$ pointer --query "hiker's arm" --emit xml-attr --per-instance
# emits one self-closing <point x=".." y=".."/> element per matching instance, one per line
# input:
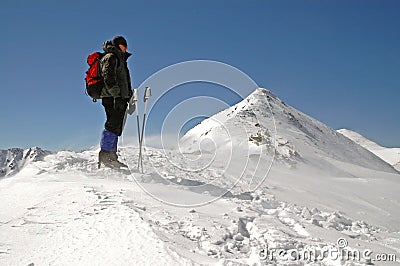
<point x="109" y="67"/>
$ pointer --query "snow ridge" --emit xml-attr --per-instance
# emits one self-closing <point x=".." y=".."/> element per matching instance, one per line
<point x="389" y="155"/>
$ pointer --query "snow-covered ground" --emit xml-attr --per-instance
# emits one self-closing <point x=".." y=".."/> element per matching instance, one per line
<point x="390" y="155"/>
<point x="242" y="189"/>
<point x="64" y="211"/>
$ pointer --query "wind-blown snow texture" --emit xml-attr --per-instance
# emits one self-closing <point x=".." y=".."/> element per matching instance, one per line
<point x="321" y="187"/>
<point x="389" y="155"/>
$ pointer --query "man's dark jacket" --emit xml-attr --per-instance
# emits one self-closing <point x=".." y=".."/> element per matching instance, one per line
<point x="114" y="69"/>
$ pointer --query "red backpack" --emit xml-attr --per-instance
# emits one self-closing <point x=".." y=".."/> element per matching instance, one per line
<point x="94" y="80"/>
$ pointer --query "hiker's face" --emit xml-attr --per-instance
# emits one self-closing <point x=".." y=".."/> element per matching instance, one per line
<point x="123" y="48"/>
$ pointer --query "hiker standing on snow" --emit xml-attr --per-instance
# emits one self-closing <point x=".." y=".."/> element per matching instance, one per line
<point x="115" y="97"/>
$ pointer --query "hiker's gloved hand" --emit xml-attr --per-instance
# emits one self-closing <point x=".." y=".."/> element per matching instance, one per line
<point x="115" y="91"/>
<point x="131" y="107"/>
<point x="120" y="103"/>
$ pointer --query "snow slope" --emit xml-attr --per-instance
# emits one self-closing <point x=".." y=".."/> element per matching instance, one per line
<point x="389" y="155"/>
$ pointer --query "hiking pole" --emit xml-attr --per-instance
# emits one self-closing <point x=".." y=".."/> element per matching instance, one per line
<point x="135" y="102"/>
<point x="147" y="94"/>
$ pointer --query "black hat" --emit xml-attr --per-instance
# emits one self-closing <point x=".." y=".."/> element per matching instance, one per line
<point x="117" y="40"/>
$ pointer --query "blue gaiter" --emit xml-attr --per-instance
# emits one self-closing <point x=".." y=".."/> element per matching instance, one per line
<point x="108" y="141"/>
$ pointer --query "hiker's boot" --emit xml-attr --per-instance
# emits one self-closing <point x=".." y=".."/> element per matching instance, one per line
<point x="109" y="159"/>
<point x="104" y="159"/>
<point x="114" y="160"/>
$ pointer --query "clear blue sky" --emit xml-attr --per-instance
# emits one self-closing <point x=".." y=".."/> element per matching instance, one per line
<point x="337" y="61"/>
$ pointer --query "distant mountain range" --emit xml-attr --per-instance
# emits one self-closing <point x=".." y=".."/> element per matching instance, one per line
<point x="13" y="160"/>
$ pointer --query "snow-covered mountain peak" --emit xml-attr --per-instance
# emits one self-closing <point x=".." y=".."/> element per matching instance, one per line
<point x="262" y="123"/>
<point x="257" y="95"/>
<point x="261" y="96"/>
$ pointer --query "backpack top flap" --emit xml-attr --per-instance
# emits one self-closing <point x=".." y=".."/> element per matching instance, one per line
<point x="93" y="74"/>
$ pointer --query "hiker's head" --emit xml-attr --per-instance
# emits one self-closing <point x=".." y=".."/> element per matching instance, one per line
<point x="120" y="43"/>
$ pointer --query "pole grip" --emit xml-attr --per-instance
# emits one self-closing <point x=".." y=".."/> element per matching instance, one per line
<point x="135" y="95"/>
<point x="147" y="94"/>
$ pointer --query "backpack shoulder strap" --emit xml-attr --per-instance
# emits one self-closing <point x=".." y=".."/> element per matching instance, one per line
<point x="111" y="54"/>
